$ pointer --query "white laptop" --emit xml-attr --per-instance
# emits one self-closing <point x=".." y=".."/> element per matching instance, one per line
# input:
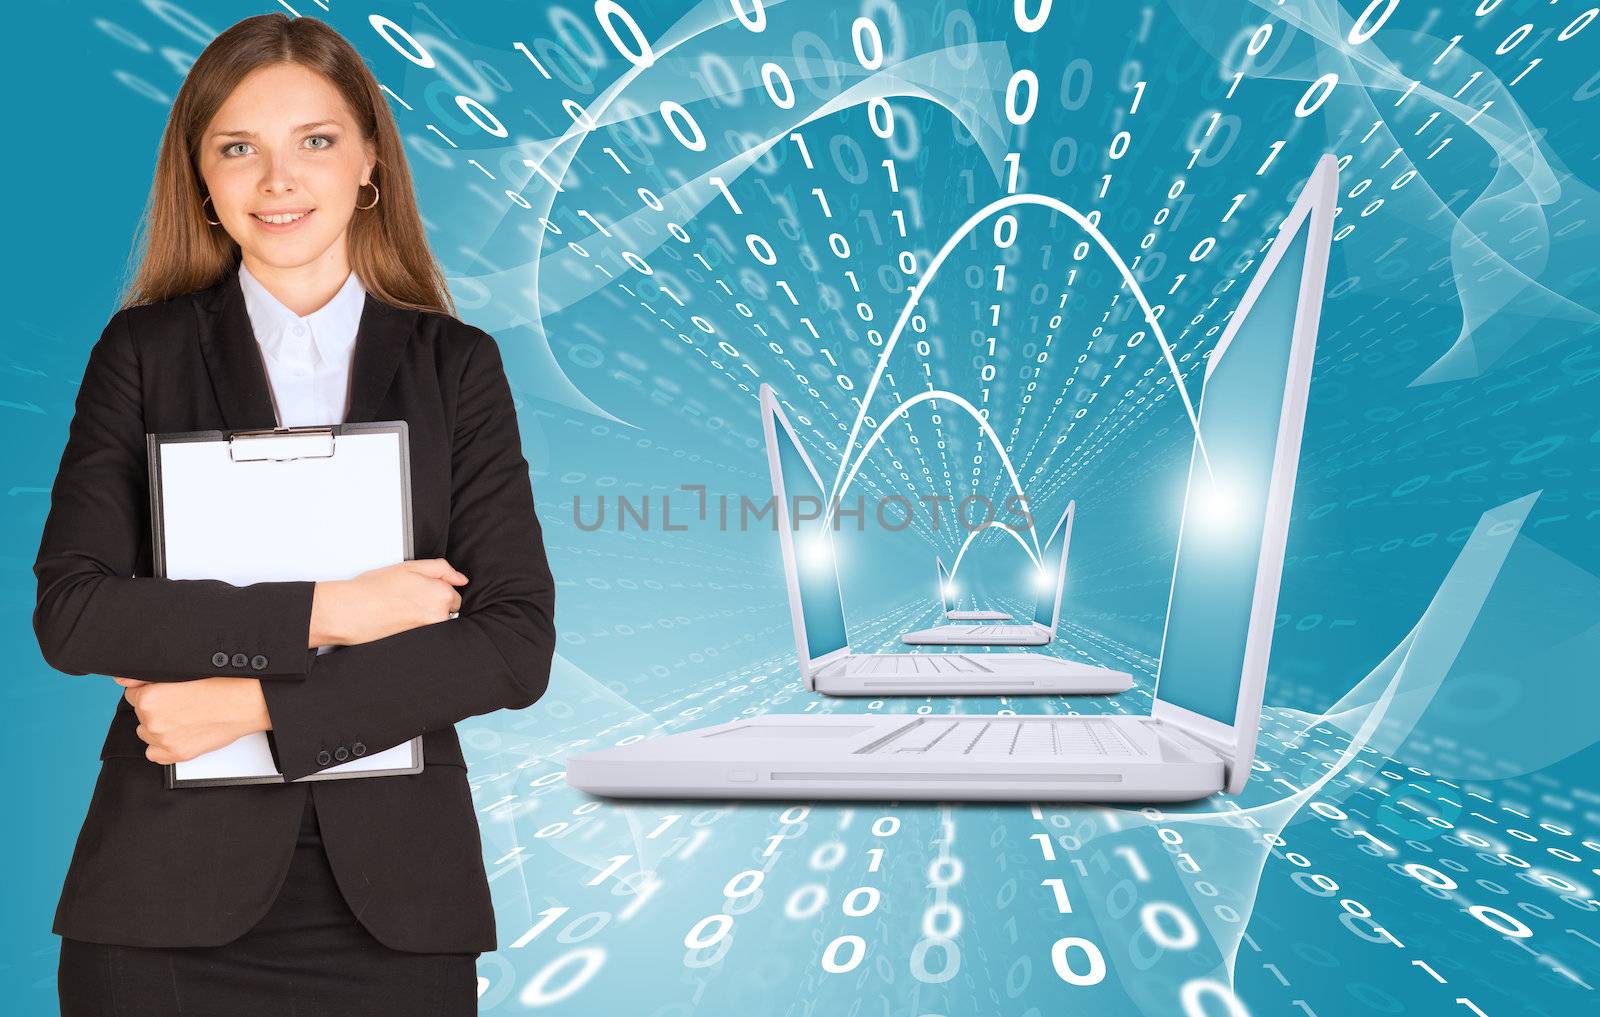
<point x="827" y="664"/>
<point x="1046" y="605"/>
<point x="1201" y="735"/>
<point x="947" y="599"/>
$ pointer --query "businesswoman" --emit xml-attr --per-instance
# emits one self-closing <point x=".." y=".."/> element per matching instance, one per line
<point x="285" y="280"/>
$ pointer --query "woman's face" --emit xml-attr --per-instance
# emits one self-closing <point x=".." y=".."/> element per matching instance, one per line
<point x="284" y="142"/>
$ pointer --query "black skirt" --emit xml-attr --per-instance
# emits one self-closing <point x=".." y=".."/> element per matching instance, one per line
<point x="308" y="955"/>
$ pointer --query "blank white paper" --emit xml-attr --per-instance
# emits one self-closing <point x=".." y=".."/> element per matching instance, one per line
<point x="317" y="518"/>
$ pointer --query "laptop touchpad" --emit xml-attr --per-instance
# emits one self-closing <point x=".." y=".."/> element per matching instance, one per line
<point x="792" y="731"/>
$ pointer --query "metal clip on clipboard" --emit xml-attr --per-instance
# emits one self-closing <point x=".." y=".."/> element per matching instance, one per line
<point x="286" y="443"/>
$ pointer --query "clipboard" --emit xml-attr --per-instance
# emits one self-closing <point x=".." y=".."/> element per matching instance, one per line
<point x="318" y="503"/>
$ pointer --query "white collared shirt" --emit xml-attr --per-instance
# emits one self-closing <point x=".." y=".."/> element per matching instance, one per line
<point x="308" y="358"/>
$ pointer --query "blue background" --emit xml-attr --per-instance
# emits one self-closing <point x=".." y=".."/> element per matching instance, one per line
<point x="1421" y="835"/>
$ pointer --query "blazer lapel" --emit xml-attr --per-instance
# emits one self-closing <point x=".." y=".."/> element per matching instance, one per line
<point x="238" y="373"/>
<point x="233" y="358"/>
<point x="380" y="343"/>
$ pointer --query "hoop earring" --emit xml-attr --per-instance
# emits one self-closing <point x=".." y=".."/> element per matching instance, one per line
<point x="374" y="195"/>
<point x="203" y="210"/>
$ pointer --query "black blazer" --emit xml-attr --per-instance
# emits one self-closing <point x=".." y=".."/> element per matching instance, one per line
<point x="199" y="866"/>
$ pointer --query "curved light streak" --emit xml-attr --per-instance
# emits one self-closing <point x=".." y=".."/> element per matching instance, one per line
<point x="999" y="204"/>
<point x="899" y="411"/>
<point x="995" y="523"/>
<point x="1038" y="560"/>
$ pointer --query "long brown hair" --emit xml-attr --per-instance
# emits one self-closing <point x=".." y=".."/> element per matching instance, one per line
<point x="180" y="252"/>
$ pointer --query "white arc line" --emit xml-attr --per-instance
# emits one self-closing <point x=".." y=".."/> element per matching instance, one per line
<point x="839" y="483"/>
<point x="898" y="411"/>
<point x="997" y="524"/>
<point x="1038" y="560"/>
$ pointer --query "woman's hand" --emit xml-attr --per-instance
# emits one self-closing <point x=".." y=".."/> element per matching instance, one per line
<point x="182" y="720"/>
<point x="382" y="602"/>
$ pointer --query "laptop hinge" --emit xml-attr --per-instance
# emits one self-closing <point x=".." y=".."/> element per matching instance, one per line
<point x="1222" y="750"/>
<point x="825" y="664"/>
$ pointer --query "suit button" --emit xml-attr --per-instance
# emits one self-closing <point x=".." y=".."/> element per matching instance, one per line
<point x="323" y="759"/>
<point x="358" y="749"/>
<point x="240" y="660"/>
<point x="258" y="662"/>
<point x="220" y="659"/>
<point x="341" y="753"/>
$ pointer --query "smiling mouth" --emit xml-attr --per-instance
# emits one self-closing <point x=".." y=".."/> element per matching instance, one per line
<point x="282" y="219"/>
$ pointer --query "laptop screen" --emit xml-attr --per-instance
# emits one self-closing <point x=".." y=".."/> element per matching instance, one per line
<point x="1219" y="548"/>
<point x="821" y="605"/>
<point x="944" y="587"/>
<point x="1046" y="580"/>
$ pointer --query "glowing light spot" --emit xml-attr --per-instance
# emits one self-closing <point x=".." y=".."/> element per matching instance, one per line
<point x="814" y="550"/>
<point x="1216" y="506"/>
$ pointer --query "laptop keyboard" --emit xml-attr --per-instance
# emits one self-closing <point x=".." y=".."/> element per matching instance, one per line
<point x="992" y="630"/>
<point x="912" y="663"/>
<point x="945" y="738"/>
